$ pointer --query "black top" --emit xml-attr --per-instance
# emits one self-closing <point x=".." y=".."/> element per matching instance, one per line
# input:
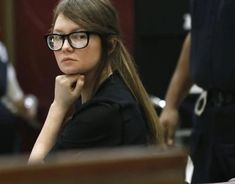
<point x="3" y="78"/>
<point x="111" y="118"/>
<point x="213" y="44"/>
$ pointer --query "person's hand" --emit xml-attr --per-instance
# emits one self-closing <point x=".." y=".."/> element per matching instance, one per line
<point x="67" y="89"/>
<point x="169" y="120"/>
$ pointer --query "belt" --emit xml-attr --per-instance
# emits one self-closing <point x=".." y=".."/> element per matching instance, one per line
<point x="219" y="98"/>
<point x="214" y="98"/>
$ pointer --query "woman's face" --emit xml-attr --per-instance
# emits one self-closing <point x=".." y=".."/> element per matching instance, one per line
<point x="76" y="61"/>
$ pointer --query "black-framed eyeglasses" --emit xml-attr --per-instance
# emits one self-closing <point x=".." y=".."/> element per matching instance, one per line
<point x="77" y="40"/>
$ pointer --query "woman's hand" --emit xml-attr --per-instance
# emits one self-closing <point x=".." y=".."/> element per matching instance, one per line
<point x="169" y="120"/>
<point x="67" y="89"/>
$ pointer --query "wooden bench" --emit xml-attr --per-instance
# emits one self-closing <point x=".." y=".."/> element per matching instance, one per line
<point x="133" y="165"/>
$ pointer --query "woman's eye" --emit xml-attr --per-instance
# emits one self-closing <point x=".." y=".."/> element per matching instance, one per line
<point x="79" y="36"/>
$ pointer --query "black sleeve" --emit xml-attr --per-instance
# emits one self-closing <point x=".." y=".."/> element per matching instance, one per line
<point x="3" y="78"/>
<point x="96" y="125"/>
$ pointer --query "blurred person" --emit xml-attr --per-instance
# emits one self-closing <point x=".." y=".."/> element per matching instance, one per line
<point x="99" y="100"/>
<point x="12" y="106"/>
<point x="207" y="59"/>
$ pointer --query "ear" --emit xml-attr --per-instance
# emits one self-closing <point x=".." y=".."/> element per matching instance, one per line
<point x="112" y="42"/>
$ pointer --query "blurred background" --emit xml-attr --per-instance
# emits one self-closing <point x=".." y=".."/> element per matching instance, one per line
<point x="153" y="31"/>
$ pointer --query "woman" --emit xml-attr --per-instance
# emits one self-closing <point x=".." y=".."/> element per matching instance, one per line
<point x="100" y="100"/>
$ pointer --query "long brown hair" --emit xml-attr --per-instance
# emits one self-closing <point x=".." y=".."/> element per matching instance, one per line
<point x="100" y="16"/>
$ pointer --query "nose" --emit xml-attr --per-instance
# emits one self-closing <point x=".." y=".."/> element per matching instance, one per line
<point x="66" y="45"/>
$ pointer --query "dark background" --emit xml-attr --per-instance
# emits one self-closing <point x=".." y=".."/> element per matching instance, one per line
<point x="159" y="36"/>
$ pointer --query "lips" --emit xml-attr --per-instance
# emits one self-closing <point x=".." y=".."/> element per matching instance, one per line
<point x="67" y="59"/>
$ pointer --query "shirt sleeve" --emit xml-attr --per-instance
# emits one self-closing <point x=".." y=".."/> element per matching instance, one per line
<point x="3" y="53"/>
<point x="14" y="92"/>
<point x="96" y="125"/>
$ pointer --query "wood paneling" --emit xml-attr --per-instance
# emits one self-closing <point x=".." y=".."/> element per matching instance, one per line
<point x="116" y="166"/>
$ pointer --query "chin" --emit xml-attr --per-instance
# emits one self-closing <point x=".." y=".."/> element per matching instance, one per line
<point x="71" y="72"/>
<point x="68" y="72"/>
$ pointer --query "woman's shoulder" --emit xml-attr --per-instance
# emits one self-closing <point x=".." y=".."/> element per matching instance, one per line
<point x="114" y="90"/>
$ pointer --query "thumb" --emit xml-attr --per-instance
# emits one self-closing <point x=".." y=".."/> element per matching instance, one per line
<point x="79" y="84"/>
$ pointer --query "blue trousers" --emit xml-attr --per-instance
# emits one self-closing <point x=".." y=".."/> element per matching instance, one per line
<point x="213" y="144"/>
<point x="8" y="131"/>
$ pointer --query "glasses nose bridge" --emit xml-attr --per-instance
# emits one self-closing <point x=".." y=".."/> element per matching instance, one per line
<point x="66" y="37"/>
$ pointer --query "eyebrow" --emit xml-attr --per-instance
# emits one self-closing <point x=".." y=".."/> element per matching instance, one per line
<point x="73" y="30"/>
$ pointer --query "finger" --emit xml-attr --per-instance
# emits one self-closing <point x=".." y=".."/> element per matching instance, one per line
<point x="60" y="78"/>
<point x="171" y="137"/>
<point x="65" y="80"/>
<point x="80" y="81"/>
<point x="170" y="142"/>
<point x="79" y="84"/>
<point x="73" y="81"/>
